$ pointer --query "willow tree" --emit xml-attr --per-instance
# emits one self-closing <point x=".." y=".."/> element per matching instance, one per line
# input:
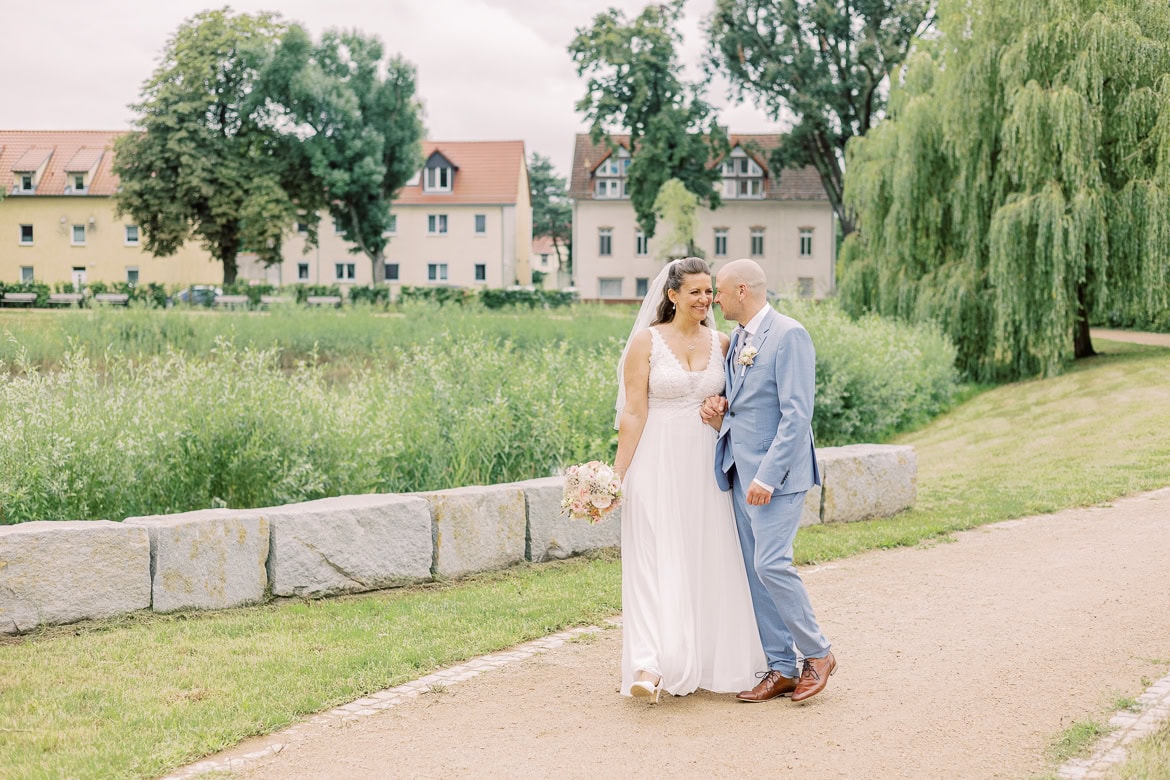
<point x="1022" y="182"/>
<point x="675" y="206"/>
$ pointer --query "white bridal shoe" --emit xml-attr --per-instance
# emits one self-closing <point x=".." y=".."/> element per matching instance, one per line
<point x="644" y="689"/>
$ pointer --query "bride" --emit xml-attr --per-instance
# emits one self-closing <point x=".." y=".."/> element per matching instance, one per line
<point x="687" y="612"/>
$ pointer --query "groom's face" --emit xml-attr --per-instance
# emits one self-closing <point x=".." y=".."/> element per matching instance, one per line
<point x="727" y="297"/>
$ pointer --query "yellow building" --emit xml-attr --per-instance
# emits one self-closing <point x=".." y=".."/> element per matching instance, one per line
<point x="57" y="220"/>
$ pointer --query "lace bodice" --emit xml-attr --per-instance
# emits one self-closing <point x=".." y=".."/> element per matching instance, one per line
<point x="672" y="386"/>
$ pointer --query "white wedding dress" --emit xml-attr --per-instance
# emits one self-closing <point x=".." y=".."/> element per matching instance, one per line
<point x="686" y="609"/>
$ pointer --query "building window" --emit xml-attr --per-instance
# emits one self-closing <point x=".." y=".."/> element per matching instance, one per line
<point x="345" y="272"/>
<point x="26" y="234"/>
<point x="302" y="272"/>
<point x="742" y="176"/>
<point x="721" y="242"/>
<point x="437" y="272"/>
<point x="481" y="223"/>
<point x="303" y="227"/>
<point x="26" y="182"/>
<point x="805" y="284"/>
<point x="806" y="242"/>
<point x="79" y="182"/>
<point x="132" y="275"/>
<point x="641" y="284"/>
<point x="79" y="235"/>
<point x="641" y="244"/>
<point x="131" y="235"/>
<point x="26" y="274"/>
<point x="338" y="228"/>
<point x="436" y="224"/>
<point x="609" y="288"/>
<point x="605" y="242"/>
<point x="392" y="224"/>
<point x="438" y="180"/>
<point x="392" y="272"/>
<point x="757" y="242"/>
<point x="481" y="272"/>
<point x="609" y="188"/>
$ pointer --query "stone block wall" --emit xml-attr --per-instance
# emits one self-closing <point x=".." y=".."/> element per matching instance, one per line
<point x="65" y="571"/>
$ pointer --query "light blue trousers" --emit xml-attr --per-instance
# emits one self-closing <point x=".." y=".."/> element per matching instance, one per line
<point x="783" y="610"/>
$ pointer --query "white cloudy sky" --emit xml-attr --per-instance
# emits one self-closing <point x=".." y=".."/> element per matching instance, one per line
<point x="487" y="69"/>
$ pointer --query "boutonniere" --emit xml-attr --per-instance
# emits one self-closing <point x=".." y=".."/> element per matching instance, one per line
<point x="747" y="356"/>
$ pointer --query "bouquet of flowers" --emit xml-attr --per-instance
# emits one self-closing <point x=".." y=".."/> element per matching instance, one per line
<point x="592" y="491"/>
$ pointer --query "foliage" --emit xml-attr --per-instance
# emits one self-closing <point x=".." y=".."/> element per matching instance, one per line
<point x="234" y="428"/>
<point x="675" y="205"/>
<point x="1021" y="186"/>
<point x="176" y="417"/>
<point x="203" y="166"/>
<point x="874" y="377"/>
<point x="532" y="298"/>
<point x="633" y="84"/>
<point x="301" y="292"/>
<point x="355" y="121"/>
<point x="376" y="295"/>
<point x="552" y="214"/>
<point x="40" y="288"/>
<point x="253" y="291"/>
<point x="439" y="295"/>
<point x="826" y="64"/>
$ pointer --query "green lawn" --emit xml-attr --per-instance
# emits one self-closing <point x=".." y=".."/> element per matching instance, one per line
<point x="137" y="696"/>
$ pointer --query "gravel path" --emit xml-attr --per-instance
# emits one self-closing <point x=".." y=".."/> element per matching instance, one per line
<point x="962" y="659"/>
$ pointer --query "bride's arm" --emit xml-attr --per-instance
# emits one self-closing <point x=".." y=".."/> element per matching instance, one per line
<point x="633" y="419"/>
<point x="714" y="407"/>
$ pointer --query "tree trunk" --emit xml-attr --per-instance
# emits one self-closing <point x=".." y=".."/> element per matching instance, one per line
<point x="378" y="266"/>
<point x="1082" y="341"/>
<point x="230" y="268"/>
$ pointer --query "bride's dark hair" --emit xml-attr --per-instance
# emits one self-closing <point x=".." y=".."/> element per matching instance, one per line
<point x="674" y="279"/>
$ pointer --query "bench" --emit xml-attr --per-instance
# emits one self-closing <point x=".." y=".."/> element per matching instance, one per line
<point x="18" y="298"/>
<point x="114" y="299"/>
<point x="65" y="299"/>
<point x="323" y="300"/>
<point x="275" y="300"/>
<point x="231" y="301"/>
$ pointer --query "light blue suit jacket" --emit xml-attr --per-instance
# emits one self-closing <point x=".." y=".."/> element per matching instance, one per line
<point x="767" y="430"/>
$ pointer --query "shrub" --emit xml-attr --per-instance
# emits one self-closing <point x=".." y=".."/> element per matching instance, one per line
<point x="439" y="295"/>
<point x="532" y="298"/>
<point x="374" y="295"/>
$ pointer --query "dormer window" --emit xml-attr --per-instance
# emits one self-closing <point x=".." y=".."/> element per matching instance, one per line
<point x="610" y="177"/>
<point x="26" y="182"/>
<point x="438" y="180"/>
<point x="743" y="177"/>
<point x="79" y="182"/>
<point x="438" y="173"/>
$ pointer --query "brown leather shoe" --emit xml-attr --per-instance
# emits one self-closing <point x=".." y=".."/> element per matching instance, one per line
<point x="814" y="677"/>
<point x="771" y="685"/>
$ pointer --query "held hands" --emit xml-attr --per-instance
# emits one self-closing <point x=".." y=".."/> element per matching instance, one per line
<point x="712" y="411"/>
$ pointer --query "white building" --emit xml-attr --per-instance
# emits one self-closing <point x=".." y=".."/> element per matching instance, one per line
<point x="783" y="222"/>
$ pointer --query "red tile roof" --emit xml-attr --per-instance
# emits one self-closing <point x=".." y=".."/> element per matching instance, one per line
<point x="488" y="172"/>
<point x="792" y="184"/>
<point x="22" y="151"/>
<point x="543" y="245"/>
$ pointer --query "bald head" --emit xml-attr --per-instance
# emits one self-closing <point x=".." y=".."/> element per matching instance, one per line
<point x="746" y="272"/>
<point x="741" y="289"/>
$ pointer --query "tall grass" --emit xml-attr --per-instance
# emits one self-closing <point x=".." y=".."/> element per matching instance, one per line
<point x="233" y="428"/>
<point x="151" y="412"/>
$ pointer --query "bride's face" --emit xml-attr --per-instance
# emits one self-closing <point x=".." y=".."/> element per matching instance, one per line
<point x="693" y="297"/>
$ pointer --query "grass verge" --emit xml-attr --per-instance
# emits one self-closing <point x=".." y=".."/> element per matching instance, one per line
<point x="136" y="697"/>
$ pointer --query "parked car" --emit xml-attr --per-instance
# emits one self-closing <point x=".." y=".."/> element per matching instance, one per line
<point x="197" y="295"/>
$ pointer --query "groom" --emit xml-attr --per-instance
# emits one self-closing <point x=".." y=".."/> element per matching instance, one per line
<point x="765" y="456"/>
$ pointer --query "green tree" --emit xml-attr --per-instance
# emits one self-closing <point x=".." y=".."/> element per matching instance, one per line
<point x="633" y="87"/>
<point x="552" y="215"/>
<point x="826" y="64"/>
<point x="1022" y="182"/>
<point x="203" y="166"/>
<point x="676" y="206"/>
<point x="357" y="119"/>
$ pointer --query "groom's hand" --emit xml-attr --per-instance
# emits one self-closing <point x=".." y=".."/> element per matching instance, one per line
<point x="757" y="495"/>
